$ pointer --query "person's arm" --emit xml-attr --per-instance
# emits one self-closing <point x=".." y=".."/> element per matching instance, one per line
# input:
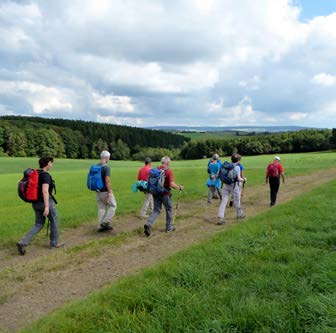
<point x="108" y="187"/>
<point x="282" y="176"/>
<point x="45" y="194"/>
<point x="175" y="186"/>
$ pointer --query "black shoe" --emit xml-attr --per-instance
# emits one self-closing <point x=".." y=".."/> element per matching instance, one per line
<point x="21" y="248"/>
<point x="147" y="229"/>
<point x="107" y="228"/>
<point x="231" y="203"/>
<point x="57" y="246"/>
<point x="171" y="229"/>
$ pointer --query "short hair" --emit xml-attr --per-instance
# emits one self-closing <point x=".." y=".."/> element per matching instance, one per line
<point x="234" y="158"/>
<point x="105" y="154"/>
<point x="215" y="156"/>
<point x="44" y="160"/>
<point x="148" y="160"/>
<point x="165" y="160"/>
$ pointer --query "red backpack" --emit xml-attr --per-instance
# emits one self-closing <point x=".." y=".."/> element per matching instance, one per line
<point x="28" y="185"/>
<point x="273" y="170"/>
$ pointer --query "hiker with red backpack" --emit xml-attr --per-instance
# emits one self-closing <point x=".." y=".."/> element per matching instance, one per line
<point x="230" y="176"/>
<point x="274" y="171"/>
<point x="160" y="183"/>
<point x="44" y="204"/>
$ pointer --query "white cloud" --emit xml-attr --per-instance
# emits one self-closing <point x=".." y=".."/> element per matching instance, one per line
<point x="324" y="79"/>
<point x="113" y="103"/>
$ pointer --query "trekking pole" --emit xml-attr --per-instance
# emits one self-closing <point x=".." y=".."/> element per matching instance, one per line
<point x="177" y="202"/>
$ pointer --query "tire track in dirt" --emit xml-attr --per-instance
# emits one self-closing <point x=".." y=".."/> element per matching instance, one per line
<point x="33" y="289"/>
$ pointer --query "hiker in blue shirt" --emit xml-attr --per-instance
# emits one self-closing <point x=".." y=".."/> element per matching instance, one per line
<point x="216" y="193"/>
<point x="213" y="183"/>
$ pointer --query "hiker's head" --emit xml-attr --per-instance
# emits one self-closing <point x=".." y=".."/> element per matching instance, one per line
<point x="276" y="158"/>
<point x="234" y="158"/>
<point x="105" y="155"/>
<point x="215" y="157"/>
<point x="148" y="161"/>
<point x="44" y="161"/>
<point x="165" y="160"/>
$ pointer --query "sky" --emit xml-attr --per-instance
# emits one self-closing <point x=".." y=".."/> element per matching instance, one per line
<point x="150" y="63"/>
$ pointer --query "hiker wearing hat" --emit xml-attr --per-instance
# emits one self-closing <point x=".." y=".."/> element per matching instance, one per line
<point x="273" y="173"/>
<point x="216" y="193"/>
<point x="143" y="178"/>
<point x="213" y="183"/>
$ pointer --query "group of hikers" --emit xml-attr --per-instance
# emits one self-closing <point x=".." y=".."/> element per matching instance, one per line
<point x="226" y="180"/>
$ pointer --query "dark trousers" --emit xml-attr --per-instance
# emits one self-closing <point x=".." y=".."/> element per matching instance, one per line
<point x="274" y="183"/>
<point x="167" y="202"/>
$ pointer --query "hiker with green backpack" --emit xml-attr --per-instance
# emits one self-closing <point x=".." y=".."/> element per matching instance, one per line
<point x="230" y="176"/>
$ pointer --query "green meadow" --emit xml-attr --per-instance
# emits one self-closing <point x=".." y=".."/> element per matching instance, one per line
<point x="275" y="272"/>
<point x="76" y="204"/>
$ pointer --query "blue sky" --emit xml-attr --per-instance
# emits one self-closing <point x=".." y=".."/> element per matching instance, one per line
<point x="179" y="62"/>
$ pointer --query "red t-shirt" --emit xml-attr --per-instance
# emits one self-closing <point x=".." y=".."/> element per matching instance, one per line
<point x="144" y="173"/>
<point x="169" y="177"/>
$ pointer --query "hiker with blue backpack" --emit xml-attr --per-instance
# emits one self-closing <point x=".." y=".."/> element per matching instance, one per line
<point x="230" y="177"/>
<point x="160" y="183"/>
<point x="142" y="184"/>
<point x="98" y="180"/>
<point x="213" y="183"/>
<point x="36" y="188"/>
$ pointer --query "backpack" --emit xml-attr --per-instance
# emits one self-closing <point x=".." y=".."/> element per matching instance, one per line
<point x="227" y="173"/>
<point x="273" y="170"/>
<point x="94" y="178"/>
<point x="155" y="183"/>
<point x="28" y="185"/>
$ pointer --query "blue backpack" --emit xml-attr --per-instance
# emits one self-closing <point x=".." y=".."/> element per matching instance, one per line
<point x="227" y="173"/>
<point x="94" y="178"/>
<point x="155" y="183"/>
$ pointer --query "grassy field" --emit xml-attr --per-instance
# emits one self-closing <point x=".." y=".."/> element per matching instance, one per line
<point x="77" y="204"/>
<point x="274" y="273"/>
<point x="199" y="136"/>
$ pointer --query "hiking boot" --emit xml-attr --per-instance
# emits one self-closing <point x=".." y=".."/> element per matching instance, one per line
<point x="147" y="229"/>
<point x="144" y="216"/>
<point x="21" y="248"/>
<point x="57" y="246"/>
<point x="172" y="228"/>
<point x="231" y="203"/>
<point x="221" y="221"/>
<point x="240" y="217"/>
<point x="107" y="228"/>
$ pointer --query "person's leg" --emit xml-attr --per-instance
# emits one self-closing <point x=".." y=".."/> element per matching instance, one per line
<point x="102" y="209"/>
<point x="168" y="204"/>
<point x="147" y="201"/>
<point x="225" y="193"/>
<point x="274" y="188"/>
<point x="236" y="201"/>
<point x="110" y="210"/>
<point x="155" y="213"/>
<point x="39" y="223"/>
<point x="53" y="218"/>
<point x="211" y="193"/>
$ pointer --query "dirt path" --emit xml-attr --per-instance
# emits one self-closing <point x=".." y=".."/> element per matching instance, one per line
<point x="43" y="280"/>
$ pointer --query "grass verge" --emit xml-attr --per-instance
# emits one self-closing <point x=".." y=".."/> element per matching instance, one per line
<point x="274" y="273"/>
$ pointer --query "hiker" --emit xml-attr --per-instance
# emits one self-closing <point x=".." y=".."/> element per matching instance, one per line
<point x="274" y="171"/>
<point x="44" y="207"/>
<point x="164" y="198"/>
<point x="241" y="184"/>
<point x="216" y="194"/>
<point x="106" y="202"/>
<point x="142" y="181"/>
<point x="232" y="187"/>
<point x="213" y="183"/>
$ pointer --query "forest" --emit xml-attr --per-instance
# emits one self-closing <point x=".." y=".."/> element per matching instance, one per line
<point x="35" y="136"/>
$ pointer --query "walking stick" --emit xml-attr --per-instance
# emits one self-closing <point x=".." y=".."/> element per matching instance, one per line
<point x="177" y="202"/>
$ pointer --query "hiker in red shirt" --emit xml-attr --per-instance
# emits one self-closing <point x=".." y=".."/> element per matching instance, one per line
<point x="143" y="177"/>
<point x="273" y="173"/>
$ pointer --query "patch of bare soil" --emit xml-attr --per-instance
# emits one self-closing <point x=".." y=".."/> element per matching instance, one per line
<point x="41" y="281"/>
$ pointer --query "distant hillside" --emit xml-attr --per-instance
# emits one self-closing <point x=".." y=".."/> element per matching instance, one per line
<point x="257" y="129"/>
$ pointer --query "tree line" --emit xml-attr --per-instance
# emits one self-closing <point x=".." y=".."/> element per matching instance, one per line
<point x="307" y="140"/>
<point x="35" y="136"/>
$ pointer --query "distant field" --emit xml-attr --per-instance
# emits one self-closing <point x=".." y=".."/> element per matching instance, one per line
<point x="77" y="204"/>
<point x="199" y="136"/>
